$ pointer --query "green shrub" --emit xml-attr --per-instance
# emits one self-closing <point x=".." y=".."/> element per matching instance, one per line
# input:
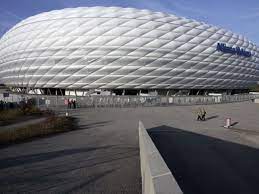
<point x="51" y="125"/>
<point x="11" y="114"/>
<point x="254" y="88"/>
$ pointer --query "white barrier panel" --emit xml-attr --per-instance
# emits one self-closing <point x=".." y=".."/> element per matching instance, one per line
<point x="156" y="176"/>
<point x="127" y="101"/>
<point x="228" y="123"/>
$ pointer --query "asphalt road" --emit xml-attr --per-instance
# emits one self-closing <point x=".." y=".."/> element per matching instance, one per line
<point x="202" y="164"/>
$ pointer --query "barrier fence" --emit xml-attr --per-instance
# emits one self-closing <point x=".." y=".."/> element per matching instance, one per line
<point x="127" y="101"/>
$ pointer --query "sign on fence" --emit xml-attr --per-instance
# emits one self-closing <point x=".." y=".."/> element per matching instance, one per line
<point x="5" y="95"/>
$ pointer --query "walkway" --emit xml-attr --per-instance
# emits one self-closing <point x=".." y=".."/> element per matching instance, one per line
<point x="103" y="156"/>
<point x="202" y="164"/>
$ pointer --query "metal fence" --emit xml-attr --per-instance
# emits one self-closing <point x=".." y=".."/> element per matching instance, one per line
<point x="128" y="101"/>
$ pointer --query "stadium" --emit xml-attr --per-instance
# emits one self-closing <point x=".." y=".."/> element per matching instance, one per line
<point x="124" y="51"/>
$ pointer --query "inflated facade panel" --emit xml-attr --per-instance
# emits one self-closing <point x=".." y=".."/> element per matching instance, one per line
<point x="112" y="47"/>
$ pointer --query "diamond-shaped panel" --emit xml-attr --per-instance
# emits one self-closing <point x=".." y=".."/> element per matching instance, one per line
<point x="113" y="47"/>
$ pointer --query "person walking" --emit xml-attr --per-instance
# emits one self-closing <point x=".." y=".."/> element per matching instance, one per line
<point x="203" y="114"/>
<point x="1" y="105"/>
<point x="199" y="114"/>
<point x="74" y="103"/>
<point x="69" y="104"/>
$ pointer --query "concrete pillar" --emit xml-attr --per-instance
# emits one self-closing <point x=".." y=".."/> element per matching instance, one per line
<point x="76" y="98"/>
<point x="56" y="97"/>
<point x="61" y="92"/>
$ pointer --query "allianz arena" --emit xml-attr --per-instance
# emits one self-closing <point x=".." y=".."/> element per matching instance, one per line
<point x="113" y="48"/>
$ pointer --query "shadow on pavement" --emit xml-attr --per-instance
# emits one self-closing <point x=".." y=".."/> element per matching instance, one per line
<point x="233" y="124"/>
<point x="211" y="117"/>
<point x="27" y="159"/>
<point x="203" y="164"/>
<point x="65" y="171"/>
<point x="93" y="125"/>
<point x="84" y="184"/>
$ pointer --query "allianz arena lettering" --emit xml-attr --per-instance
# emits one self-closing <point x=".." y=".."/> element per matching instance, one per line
<point x="238" y="51"/>
<point x="124" y="48"/>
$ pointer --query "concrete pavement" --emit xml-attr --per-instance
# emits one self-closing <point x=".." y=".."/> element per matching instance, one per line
<point x="103" y="155"/>
<point x="203" y="164"/>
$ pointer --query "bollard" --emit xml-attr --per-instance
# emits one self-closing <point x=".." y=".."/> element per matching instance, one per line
<point x="67" y="114"/>
<point x="228" y="123"/>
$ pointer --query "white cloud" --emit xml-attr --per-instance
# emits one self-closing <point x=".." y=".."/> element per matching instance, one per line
<point x="250" y="16"/>
<point x="13" y="15"/>
<point x="183" y="6"/>
<point x="179" y="7"/>
<point x="7" y="20"/>
<point x="153" y="5"/>
<point x="10" y="14"/>
<point x="253" y="13"/>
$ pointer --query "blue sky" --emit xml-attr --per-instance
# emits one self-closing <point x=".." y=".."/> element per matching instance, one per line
<point x="240" y="16"/>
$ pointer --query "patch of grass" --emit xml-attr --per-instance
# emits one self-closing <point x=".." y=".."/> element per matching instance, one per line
<point x="51" y="125"/>
<point x="16" y="115"/>
<point x="11" y="114"/>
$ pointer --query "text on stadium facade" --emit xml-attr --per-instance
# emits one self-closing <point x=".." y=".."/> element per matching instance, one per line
<point x="233" y="50"/>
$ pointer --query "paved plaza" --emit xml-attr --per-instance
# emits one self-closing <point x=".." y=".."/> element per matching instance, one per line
<point x="203" y="164"/>
<point x="103" y="155"/>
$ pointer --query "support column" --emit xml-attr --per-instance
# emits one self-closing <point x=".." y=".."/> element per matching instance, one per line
<point x="61" y="92"/>
<point x="76" y="98"/>
<point x="56" y="97"/>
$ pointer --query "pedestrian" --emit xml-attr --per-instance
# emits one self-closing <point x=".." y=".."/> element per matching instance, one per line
<point x="74" y="103"/>
<point x="1" y="105"/>
<point x="69" y="103"/>
<point x="199" y="114"/>
<point x="203" y="114"/>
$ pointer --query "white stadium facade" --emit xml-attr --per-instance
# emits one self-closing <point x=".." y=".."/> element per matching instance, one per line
<point x="126" y="51"/>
